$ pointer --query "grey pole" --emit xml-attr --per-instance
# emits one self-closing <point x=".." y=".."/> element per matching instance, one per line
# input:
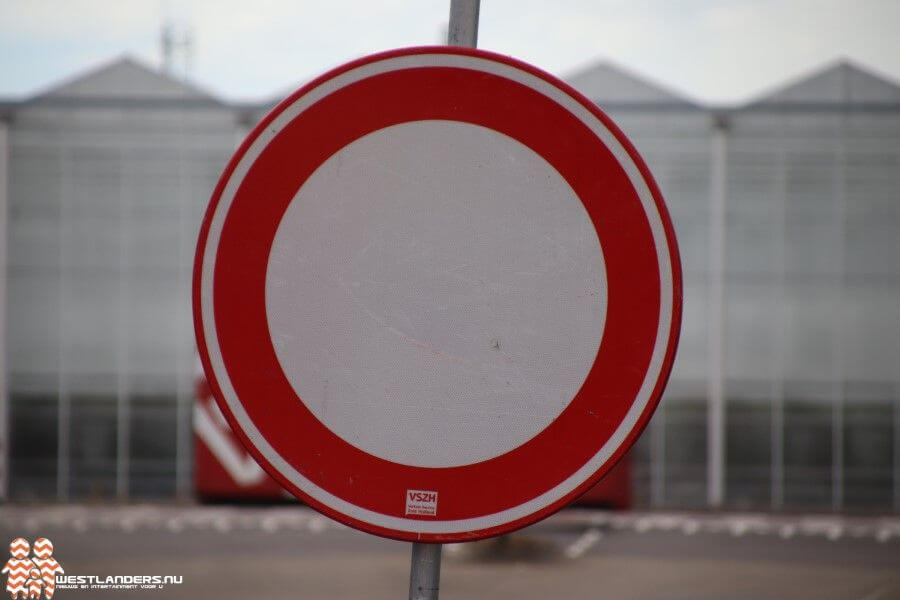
<point x="425" y="568"/>
<point x="463" y="29"/>
<point x="425" y="572"/>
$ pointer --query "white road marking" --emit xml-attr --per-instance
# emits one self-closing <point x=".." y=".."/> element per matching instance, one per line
<point x="270" y="525"/>
<point x="690" y="527"/>
<point x="34" y="520"/>
<point x="222" y="525"/>
<point x="643" y="525"/>
<point x="787" y="531"/>
<point x="174" y="525"/>
<point x="317" y="524"/>
<point x="584" y="543"/>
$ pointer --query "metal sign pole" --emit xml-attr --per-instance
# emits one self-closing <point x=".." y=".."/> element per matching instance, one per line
<point x="425" y="573"/>
<point x="425" y="568"/>
<point x="463" y="28"/>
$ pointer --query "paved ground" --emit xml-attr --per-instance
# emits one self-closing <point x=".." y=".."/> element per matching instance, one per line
<point x="292" y="552"/>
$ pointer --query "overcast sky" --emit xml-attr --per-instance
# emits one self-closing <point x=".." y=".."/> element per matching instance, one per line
<point x="715" y="51"/>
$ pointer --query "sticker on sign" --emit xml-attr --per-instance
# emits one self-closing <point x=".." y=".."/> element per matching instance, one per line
<point x="421" y="502"/>
<point x="440" y="266"/>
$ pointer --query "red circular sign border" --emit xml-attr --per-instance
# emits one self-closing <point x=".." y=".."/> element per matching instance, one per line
<point x="245" y="246"/>
<point x="667" y="360"/>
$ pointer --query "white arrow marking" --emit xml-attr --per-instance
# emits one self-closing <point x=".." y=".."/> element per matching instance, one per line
<point x="237" y="463"/>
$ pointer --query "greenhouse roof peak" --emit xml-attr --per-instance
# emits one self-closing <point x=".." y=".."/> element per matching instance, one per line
<point x="125" y="78"/>
<point x="842" y="82"/>
<point x="607" y="83"/>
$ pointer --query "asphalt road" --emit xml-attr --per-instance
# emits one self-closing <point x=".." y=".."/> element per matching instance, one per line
<point x="292" y="552"/>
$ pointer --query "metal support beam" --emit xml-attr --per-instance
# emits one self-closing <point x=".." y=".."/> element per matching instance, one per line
<point x="4" y="381"/>
<point x="838" y="388"/>
<point x="184" y="357"/>
<point x="64" y="405"/>
<point x="658" y="457"/>
<point x="123" y="394"/>
<point x="896" y="389"/>
<point x="715" y="455"/>
<point x="780" y="313"/>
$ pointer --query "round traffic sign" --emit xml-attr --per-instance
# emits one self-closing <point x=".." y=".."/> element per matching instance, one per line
<point x="437" y="294"/>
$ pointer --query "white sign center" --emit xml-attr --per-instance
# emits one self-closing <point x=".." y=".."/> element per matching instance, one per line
<point x="436" y="293"/>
